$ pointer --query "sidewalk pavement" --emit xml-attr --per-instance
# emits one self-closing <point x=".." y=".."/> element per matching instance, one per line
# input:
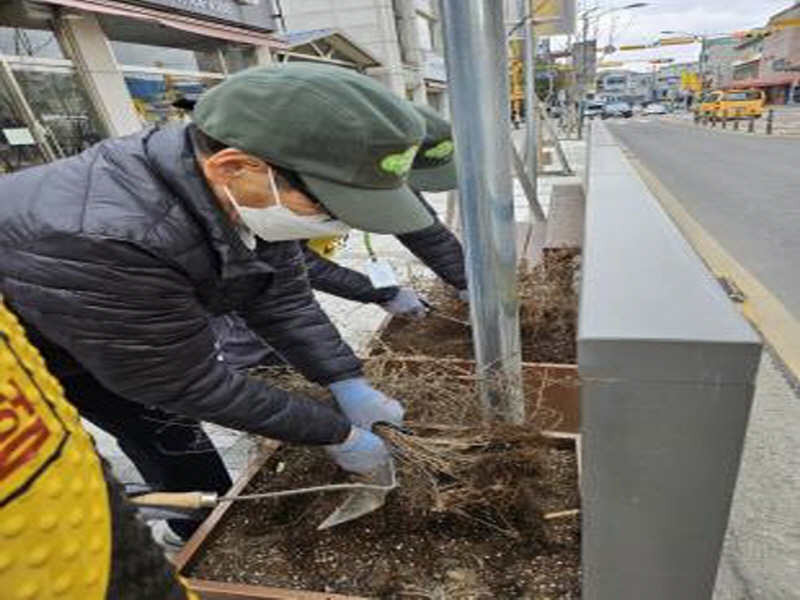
<point x="761" y="556"/>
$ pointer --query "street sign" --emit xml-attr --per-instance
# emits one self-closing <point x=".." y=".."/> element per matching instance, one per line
<point x="559" y="17"/>
<point x="691" y="82"/>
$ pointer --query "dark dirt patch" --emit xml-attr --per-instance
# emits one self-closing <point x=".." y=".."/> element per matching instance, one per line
<point x="548" y="317"/>
<point x="394" y="552"/>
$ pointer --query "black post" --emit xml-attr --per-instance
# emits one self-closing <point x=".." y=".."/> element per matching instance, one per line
<point x="751" y="126"/>
<point x="736" y="120"/>
<point x="725" y="119"/>
<point x="770" y="120"/>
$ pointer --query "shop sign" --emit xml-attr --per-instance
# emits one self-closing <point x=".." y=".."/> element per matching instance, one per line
<point x="434" y="67"/>
<point x="254" y="14"/>
<point x="19" y="136"/>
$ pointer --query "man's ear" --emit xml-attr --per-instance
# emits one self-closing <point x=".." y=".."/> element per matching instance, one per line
<point x="228" y="164"/>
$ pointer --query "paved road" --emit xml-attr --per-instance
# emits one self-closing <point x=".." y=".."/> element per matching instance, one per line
<point x="745" y="191"/>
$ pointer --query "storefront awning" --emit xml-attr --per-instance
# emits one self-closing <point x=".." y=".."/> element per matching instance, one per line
<point x="766" y="82"/>
<point x="325" y="45"/>
<point x="176" y="21"/>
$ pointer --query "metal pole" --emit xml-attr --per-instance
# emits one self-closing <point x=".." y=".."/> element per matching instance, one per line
<point x="582" y="76"/>
<point x="479" y="99"/>
<point x="532" y="137"/>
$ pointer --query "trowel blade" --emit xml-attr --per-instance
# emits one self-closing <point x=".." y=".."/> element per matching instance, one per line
<point x="362" y="502"/>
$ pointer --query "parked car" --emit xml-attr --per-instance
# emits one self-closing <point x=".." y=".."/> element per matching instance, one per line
<point x="655" y="109"/>
<point x="593" y="109"/>
<point x="617" y="109"/>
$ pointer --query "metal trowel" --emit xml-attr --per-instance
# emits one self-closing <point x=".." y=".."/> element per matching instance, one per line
<point x="362" y="498"/>
<point x="366" y="499"/>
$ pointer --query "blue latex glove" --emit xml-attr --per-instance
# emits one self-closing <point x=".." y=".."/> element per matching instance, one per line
<point x="361" y="452"/>
<point x="463" y="295"/>
<point x="406" y="303"/>
<point x="364" y="405"/>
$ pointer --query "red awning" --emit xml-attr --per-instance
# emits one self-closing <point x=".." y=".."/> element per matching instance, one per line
<point x="766" y="82"/>
<point x="177" y="21"/>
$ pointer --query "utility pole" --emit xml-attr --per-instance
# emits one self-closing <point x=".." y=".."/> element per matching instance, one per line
<point x="531" y="99"/>
<point x="477" y="67"/>
<point x="582" y="74"/>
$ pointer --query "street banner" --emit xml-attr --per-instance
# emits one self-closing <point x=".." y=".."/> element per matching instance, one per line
<point x="558" y="17"/>
<point x="584" y="58"/>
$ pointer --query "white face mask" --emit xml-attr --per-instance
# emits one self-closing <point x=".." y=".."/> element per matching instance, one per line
<point x="278" y="224"/>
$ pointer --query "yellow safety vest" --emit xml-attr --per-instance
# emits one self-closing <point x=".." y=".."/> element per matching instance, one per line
<point x="55" y="519"/>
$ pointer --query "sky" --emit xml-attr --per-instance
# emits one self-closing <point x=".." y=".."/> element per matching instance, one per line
<point x="643" y="25"/>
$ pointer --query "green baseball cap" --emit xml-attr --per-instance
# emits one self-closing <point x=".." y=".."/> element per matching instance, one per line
<point x="350" y="140"/>
<point x="434" y="169"/>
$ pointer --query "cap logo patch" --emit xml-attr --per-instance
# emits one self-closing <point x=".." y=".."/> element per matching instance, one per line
<point x="441" y="150"/>
<point x="400" y="163"/>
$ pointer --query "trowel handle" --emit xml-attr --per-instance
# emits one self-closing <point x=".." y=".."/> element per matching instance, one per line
<point x="191" y="500"/>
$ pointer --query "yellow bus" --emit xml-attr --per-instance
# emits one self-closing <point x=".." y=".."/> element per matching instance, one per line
<point x="731" y="104"/>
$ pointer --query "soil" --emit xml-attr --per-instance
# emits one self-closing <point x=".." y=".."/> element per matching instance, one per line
<point x="468" y="520"/>
<point x="548" y="317"/>
<point x="394" y="552"/>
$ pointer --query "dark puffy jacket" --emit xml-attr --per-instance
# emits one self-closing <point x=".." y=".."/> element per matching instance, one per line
<point x="332" y="278"/>
<point x="118" y="257"/>
<point x="435" y="246"/>
<point x="438" y="249"/>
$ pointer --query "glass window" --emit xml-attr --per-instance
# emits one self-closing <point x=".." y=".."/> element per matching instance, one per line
<point x="15" y="41"/>
<point x="165" y="57"/>
<point x="61" y="106"/>
<point x="742" y="96"/>
<point x="18" y="148"/>
<point x="154" y="94"/>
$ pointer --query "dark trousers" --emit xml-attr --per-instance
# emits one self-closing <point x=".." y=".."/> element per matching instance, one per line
<point x="172" y="453"/>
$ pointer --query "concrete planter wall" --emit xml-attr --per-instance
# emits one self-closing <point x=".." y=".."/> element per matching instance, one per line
<point x="668" y="369"/>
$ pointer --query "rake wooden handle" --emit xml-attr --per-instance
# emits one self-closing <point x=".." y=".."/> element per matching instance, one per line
<point x="191" y="500"/>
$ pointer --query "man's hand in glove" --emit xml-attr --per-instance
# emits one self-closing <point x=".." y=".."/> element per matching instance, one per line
<point x="364" y="405"/>
<point x="361" y="452"/>
<point x="406" y="303"/>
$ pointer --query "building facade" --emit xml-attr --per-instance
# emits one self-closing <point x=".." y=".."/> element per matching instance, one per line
<point x="624" y="85"/>
<point x="671" y="80"/>
<point x="748" y="63"/>
<point x="717" y="57"/>
<point x="771" y="61"/>
<point x="75" y="71"/>
<point x="779" y="70"/>
<point x="403" y="35"/>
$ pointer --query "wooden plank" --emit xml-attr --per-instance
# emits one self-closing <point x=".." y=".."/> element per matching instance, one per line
<point x="199" y="537"/>
<point x="218" y="590"/>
